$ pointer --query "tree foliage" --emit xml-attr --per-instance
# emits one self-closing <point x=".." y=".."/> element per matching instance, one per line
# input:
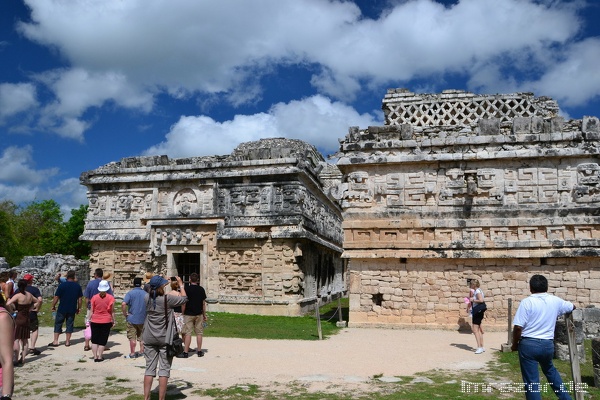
<point x="39" y="228"/>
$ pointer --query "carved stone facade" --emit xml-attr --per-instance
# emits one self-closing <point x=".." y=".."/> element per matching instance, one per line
<point x="256" y="225"/>
<point x="458" y="186"/>
<point x="454" y="186"/>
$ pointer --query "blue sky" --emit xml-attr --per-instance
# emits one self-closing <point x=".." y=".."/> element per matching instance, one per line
<point x="84" y="83"/>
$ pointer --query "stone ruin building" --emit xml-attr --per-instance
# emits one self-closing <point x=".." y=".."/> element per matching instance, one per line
<point x="455" y="186"/>
<point x="458" y="186"/>
<point x="256" y="225"/>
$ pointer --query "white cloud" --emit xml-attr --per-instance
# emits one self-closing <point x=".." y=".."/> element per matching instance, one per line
<point x="17" y="167"/>
<point x="69" y="193"/>
<point x="575" y="79"/>
<point x="201" y="136"/>
<point x="18" y="194"/>
<point x="19" y="180"/>
<point x="129" y="51"/>
<point x="316" y="120"/>
<point x="16" y="98"/>
<point x="76" y="90"/>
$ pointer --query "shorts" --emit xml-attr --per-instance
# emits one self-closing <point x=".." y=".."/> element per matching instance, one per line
<point x="157" y="356"/>
<point x="60" y="318"/>
<point x="134" y="331"/>
<point x="478" y="317"/>
<point x="34" y="323"/>
<point x="193" y="323"/>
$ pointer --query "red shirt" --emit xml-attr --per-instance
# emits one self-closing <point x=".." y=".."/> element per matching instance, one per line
<point x="102" y="309"/>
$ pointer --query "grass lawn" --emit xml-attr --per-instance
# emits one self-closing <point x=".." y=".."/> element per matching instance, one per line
<point x="440" y="384"/>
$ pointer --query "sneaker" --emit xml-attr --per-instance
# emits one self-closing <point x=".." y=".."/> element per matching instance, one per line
<point x="479" y="350"/>
<point x="134" y="355"/>
<point x="200" y="354"/>
<point x="182" y="355"/>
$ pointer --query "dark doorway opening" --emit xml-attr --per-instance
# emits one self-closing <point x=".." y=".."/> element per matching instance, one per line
<point x="187" y="264"/>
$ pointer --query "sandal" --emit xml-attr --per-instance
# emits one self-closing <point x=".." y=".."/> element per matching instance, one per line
<point x="87" y="348"/>
<point x="53" y="345"/>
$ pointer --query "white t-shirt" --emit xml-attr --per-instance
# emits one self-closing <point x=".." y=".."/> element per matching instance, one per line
<point x="537" y="315"/>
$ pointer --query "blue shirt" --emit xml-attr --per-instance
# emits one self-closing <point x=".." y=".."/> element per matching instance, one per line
<point x="68" y="294"/>
<point x="136" y="300"/>
<point x="92" y="289"/>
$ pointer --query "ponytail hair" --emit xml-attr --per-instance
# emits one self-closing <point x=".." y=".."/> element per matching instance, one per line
<point x="22" y="284"/>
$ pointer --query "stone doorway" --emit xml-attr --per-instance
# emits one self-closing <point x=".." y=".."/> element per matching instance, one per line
<point x="185" y="264"/>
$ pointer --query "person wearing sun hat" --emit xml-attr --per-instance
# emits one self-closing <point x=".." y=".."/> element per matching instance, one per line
<point x="147" y="278"/>
<point x="102" y="319"/>
<point x="33" y="314"/>
<point x="154" y="334"/>
<point x="90" y="291"/>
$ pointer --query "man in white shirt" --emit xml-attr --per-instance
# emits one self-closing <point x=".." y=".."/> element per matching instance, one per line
<point x="533" y="336"/>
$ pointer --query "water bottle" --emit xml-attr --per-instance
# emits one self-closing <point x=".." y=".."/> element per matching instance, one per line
<point x="53" y="314"/>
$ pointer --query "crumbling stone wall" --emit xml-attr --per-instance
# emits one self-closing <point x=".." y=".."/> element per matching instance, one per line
<point x="45" y="268"/>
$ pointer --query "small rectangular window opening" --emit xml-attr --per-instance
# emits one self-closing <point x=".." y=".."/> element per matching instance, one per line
<point x="378" y="299"/>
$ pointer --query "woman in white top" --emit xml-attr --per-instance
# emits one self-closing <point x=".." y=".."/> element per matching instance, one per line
<point x="478" y="312"/>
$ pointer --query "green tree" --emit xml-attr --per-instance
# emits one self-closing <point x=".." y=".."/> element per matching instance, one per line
<point x="40" y="228"/>
<point x="9" y="248"/>
<point x="72" y="229"/>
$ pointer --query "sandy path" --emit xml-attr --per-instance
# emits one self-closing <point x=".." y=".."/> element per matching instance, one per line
<point x="351" y="357"/>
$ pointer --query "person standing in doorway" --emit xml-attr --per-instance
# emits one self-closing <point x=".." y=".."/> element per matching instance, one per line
<point x="533" y="337"/>
<point x="90" y="291"/>
<point x="134" y="311"/>
<point x="194" y="316"/>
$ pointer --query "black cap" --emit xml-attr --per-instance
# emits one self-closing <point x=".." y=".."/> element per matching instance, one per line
<point x="137" y="282"/>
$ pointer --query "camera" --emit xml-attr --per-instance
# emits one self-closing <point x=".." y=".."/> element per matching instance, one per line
<point x="173" y="278"/>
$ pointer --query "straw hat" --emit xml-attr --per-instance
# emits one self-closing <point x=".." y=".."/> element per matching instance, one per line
<point x="148" y="276"/>
<point x="106" y="275"/>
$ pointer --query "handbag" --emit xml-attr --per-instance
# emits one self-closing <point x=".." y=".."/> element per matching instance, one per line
<point x="174" y="343"/>
<point x="87" y="333"/>
<point x="481" y="307"/>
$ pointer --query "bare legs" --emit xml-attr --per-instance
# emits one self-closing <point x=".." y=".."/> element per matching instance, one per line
<point x="199" y="343"/>
<point x="478" y="332"/>
<point x="97" y="351"/>
<point x="67" y="338"/>
<point x="162" y="387"/>
<point x="33" y="339"/>
<point x="7" y="353"/>
<point x="21" y="346"/>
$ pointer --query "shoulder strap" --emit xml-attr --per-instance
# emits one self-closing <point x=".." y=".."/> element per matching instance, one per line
<point x="166" y="317"/>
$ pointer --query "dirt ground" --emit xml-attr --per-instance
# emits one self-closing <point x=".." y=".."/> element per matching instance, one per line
<point x="347" y="361"/>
